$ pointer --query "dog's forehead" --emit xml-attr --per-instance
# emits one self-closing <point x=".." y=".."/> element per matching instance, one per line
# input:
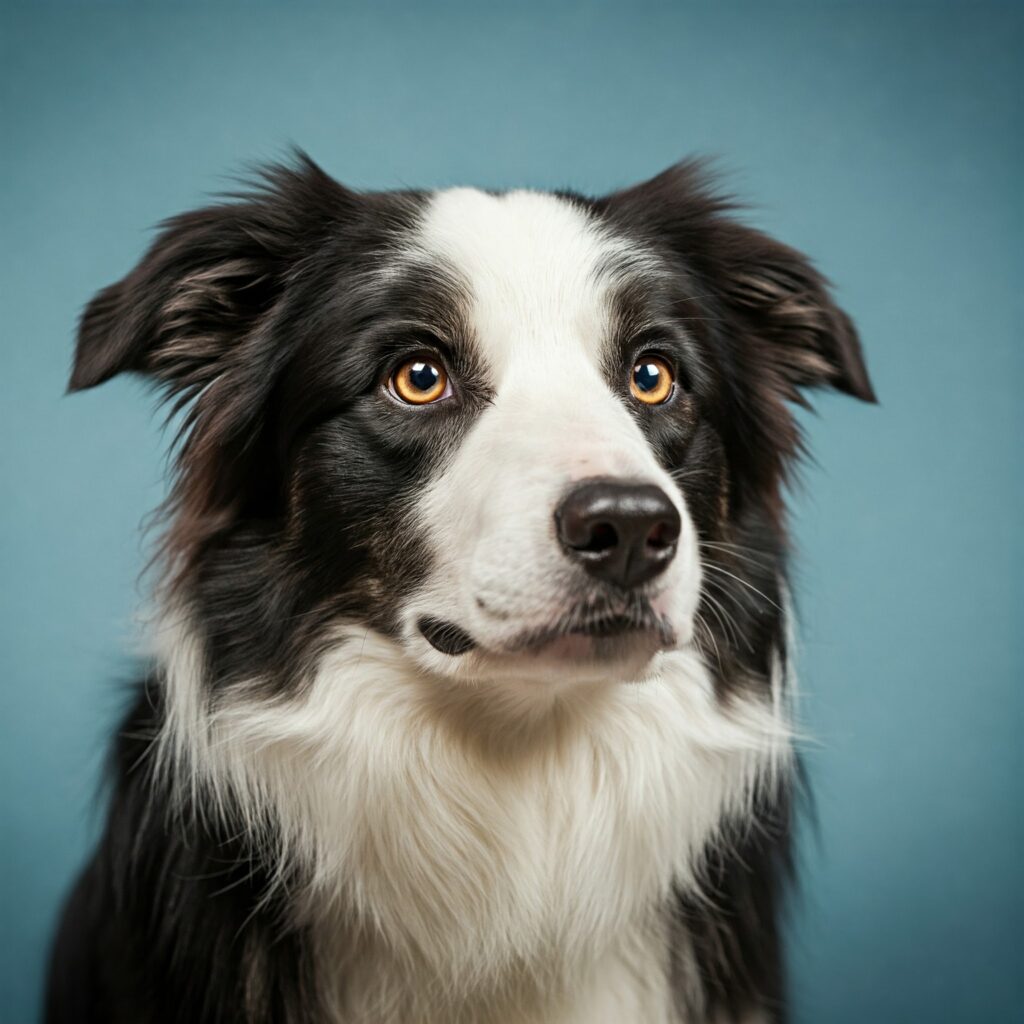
<point x="539" y="270"/>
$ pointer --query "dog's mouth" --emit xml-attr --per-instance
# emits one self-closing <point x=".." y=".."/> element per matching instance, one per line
<point x="603" y="629"/>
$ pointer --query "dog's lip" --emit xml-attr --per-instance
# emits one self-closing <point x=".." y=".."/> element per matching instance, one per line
<point x="606" y="633"/>
<point x="606" y="626"/>
<point x="605" y="630"/>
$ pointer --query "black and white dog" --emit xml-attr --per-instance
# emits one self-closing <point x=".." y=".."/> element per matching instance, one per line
<point x="468" y="704"/>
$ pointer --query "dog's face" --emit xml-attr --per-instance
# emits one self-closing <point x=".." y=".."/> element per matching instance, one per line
<point x="529" y="436"/>
<point x="559" y="544"/>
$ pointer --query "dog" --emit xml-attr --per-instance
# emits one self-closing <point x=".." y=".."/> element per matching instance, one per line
<point x="468" y="698"/>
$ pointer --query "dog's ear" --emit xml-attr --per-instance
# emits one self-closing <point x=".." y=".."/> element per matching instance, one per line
<point x="196" y="317"/>
<point x="789" y="309"/>
<point x="782" y="304"/>
<point x="194" y="301"/>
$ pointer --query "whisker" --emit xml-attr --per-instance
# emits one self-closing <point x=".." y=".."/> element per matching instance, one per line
<point x="699" y="620"/>
<point x="738" y="551"/>
<point x="739" y="579"/>
<point x="725" y="618"/>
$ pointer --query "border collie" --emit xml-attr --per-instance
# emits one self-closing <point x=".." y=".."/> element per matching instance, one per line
<point x="468" y="695"/>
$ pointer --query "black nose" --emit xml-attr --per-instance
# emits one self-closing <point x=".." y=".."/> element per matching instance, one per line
<point x="620" y="532"/>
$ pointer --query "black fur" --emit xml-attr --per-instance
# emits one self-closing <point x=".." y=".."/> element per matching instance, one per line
<point x="174" y="920"/>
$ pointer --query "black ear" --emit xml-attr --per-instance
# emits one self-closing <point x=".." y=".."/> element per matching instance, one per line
<point x="205" y="283"/>
<point x="197" y="317"/>
<point x="782" y="303"/>
<point x="789" y="307"/>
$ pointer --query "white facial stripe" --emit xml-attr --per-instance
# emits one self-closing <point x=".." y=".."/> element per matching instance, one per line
<point x="539" y="274"/>
<point x="537" y="267"/>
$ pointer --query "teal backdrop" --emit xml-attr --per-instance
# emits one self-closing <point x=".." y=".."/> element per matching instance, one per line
<point x="884" y="139"/>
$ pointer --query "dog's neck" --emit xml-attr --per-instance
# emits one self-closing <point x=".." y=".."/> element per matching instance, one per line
<point x="471" y="871"/>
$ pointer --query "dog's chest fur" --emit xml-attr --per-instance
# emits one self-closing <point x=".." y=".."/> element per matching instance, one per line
<point x="452" y="868"/>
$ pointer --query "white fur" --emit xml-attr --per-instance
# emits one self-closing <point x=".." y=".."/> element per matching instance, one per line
<point x="502" y="832"/>
<point x="471" y="861"/>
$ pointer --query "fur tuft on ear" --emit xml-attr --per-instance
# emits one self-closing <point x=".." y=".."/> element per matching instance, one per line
<point x="205" y="282"/>
<point x="100" y="353"/>
<point x="784" y="304"/>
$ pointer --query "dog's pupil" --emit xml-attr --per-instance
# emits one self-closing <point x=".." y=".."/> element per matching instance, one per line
<point x="423" y="376"/>
<point x="646" y="376"/>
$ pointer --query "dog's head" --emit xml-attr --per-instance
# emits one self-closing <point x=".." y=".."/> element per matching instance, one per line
<point x="532" y="437"/>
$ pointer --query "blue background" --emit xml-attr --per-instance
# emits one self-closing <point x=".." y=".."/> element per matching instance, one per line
<point x="884" y="140"/>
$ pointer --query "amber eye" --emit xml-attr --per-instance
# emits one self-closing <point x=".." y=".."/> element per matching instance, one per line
<point x="419" y="381"/>
<point x="652" y="380"/>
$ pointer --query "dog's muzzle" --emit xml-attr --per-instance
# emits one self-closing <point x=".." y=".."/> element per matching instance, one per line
<point x="621" y="533"/>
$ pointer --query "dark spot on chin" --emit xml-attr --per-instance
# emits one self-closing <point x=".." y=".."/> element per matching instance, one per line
<point x="445" y="637"/>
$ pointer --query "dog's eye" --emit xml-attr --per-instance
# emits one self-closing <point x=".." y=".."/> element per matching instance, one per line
<point x="419" y="381"/>
<point x="652" y="380"/>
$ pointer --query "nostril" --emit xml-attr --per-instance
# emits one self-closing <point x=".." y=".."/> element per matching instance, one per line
<point x="603" y="537"/>
<point x="663" y="535"/>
